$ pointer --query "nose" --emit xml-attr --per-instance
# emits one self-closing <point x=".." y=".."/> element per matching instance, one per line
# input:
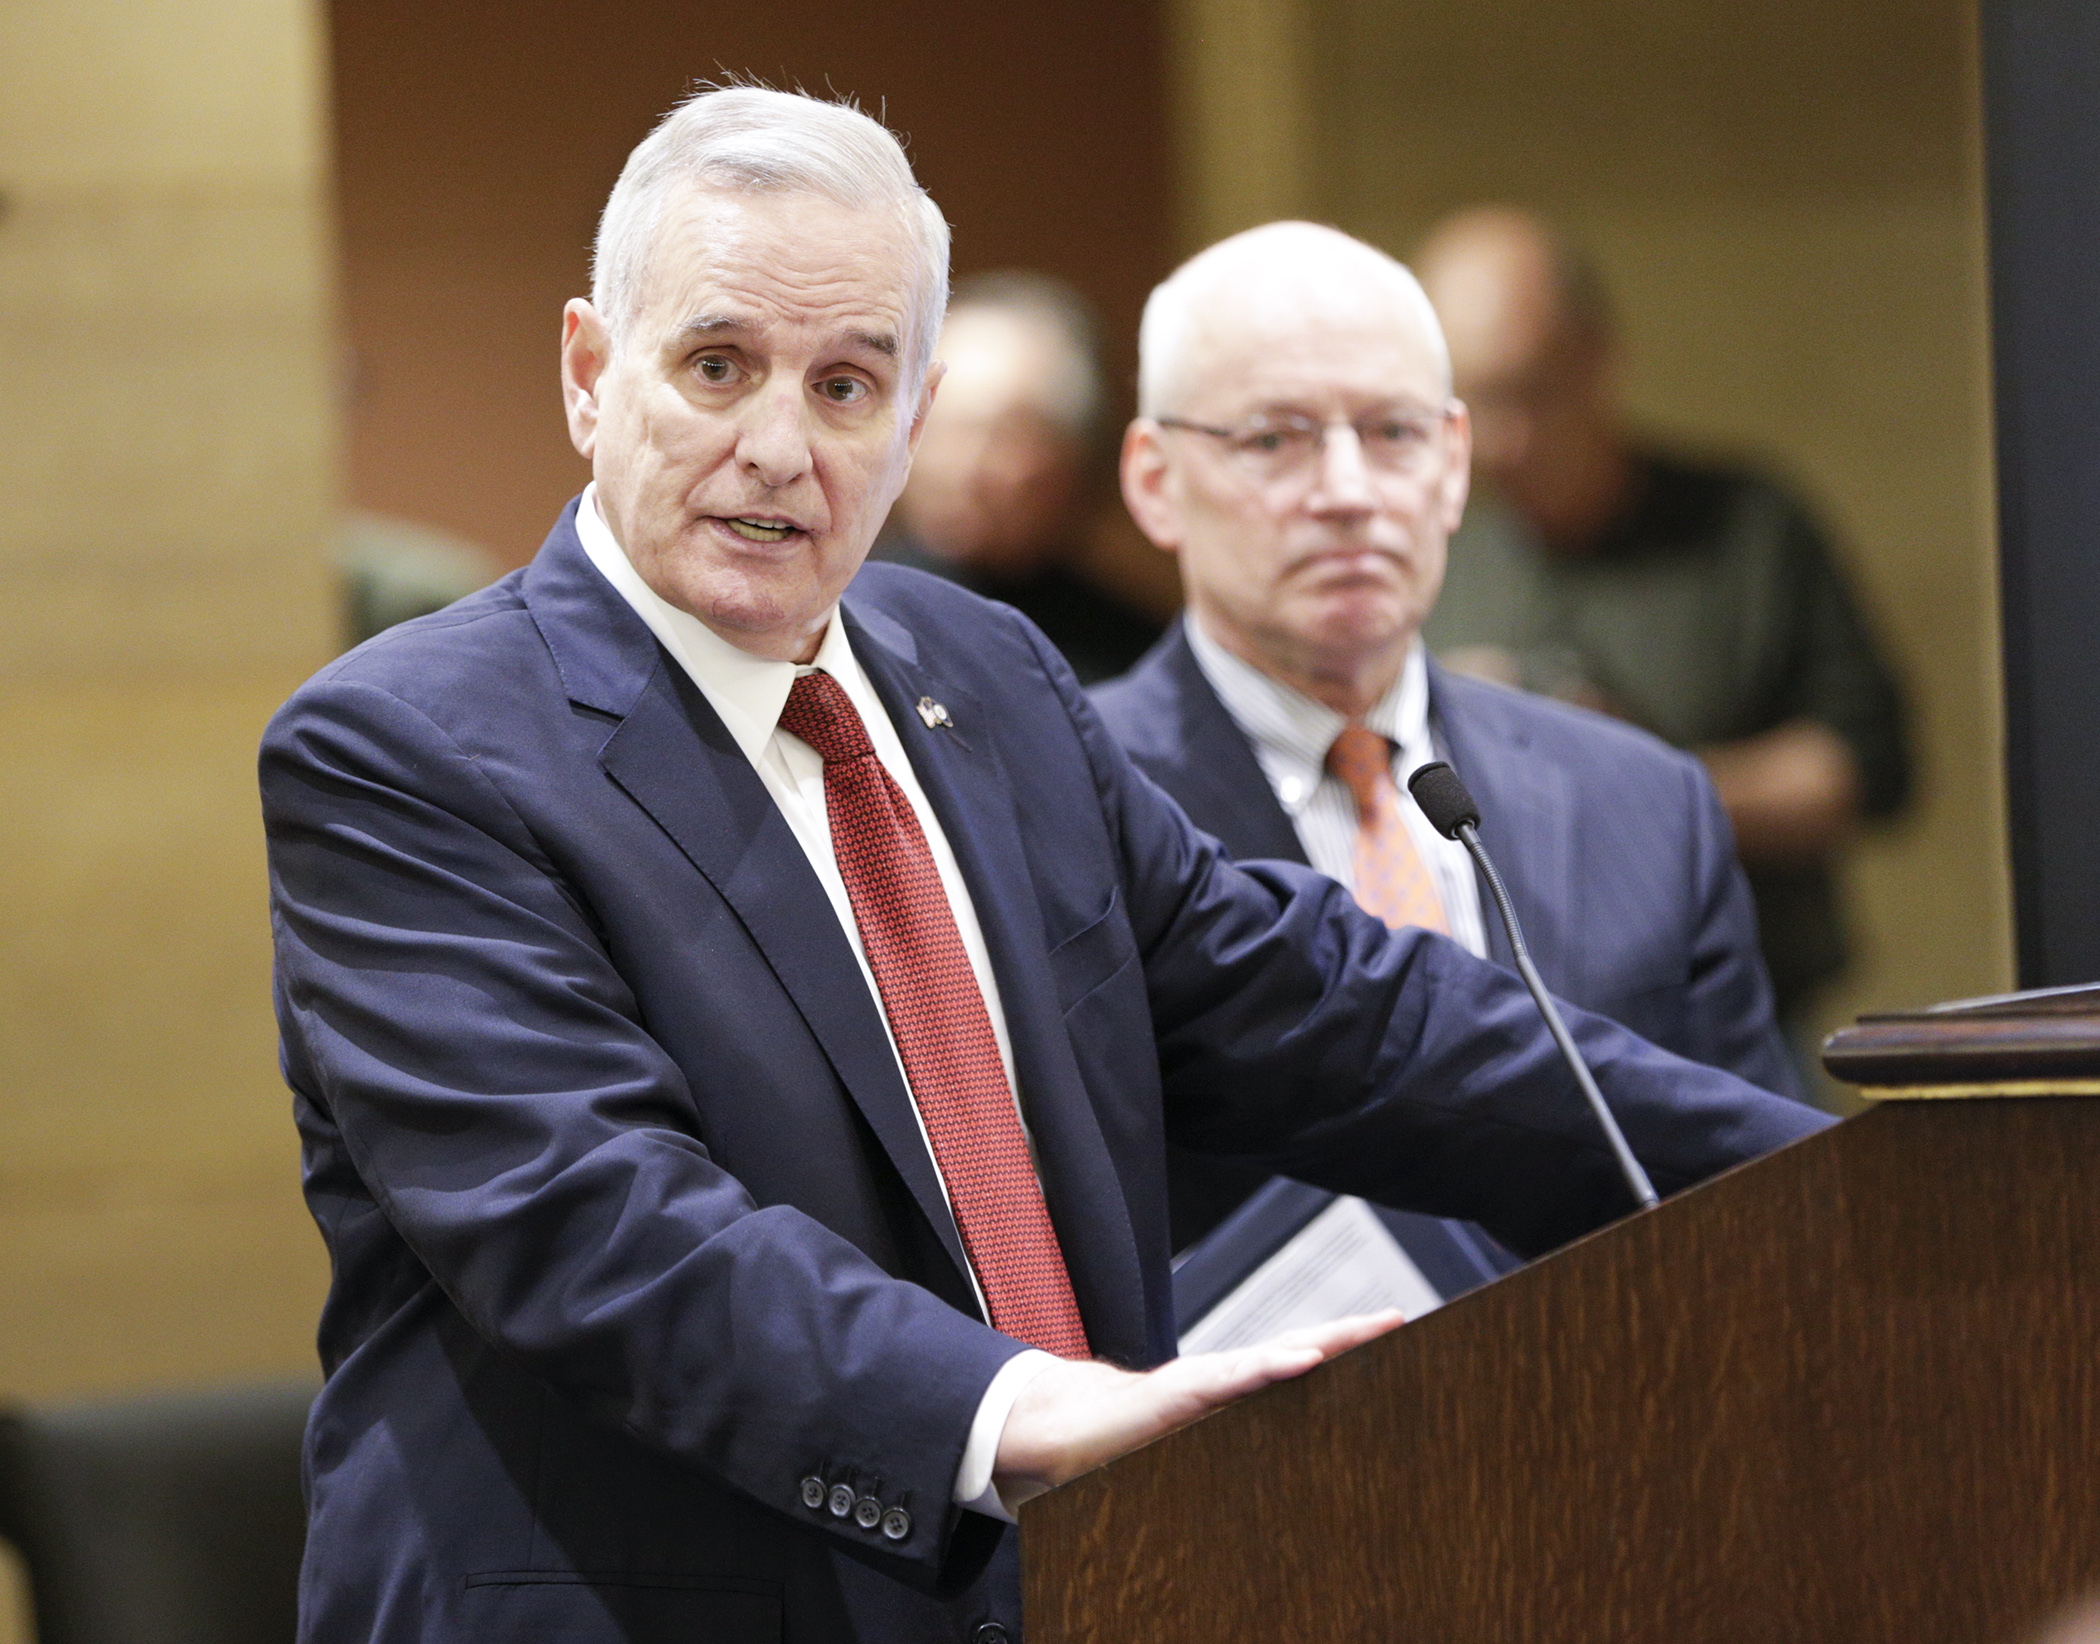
<point x="1342" y="482"/>
<point x="773" y="438"/>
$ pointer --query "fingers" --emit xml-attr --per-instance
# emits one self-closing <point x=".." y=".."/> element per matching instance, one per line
<point x="1240" y="1372"/>
<point x="1218" y="1378"/>
<point x="1213" y="1379"/>
<point x="1073" y="1417"/>
<point x="1339" y="1335"/>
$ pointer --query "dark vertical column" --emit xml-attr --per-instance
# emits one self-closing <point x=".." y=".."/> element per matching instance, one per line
<point x="2042" y="125"/>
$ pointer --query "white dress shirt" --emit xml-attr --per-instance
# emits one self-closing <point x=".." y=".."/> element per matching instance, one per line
<point x="1291" y="734"/>
<point x="749" y="693"/>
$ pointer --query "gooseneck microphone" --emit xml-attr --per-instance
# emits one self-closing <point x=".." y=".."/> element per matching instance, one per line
<point x="1453" y="814"/>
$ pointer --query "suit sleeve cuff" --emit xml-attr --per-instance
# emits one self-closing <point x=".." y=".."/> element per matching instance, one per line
<point x="974" y="1490"/>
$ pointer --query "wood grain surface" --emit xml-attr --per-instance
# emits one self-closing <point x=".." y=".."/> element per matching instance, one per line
<point x="1848" y="1393"/>
<point x="1932" y="1049"/>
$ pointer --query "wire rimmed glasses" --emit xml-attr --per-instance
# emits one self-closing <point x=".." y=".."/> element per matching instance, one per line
<point x="1278" y="445"/>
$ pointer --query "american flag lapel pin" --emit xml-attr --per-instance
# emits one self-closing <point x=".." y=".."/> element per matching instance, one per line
<point x="934" y="714"/>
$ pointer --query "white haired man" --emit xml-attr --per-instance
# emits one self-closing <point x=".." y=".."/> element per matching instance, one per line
<point x="733" y="1022"/>
<point x="1300" y="451"/>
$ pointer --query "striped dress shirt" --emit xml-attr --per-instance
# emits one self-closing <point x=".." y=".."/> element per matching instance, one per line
<point x="1291" y="734"/>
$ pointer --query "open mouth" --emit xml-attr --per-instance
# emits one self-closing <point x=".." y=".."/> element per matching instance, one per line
<point x="760" y="530"/>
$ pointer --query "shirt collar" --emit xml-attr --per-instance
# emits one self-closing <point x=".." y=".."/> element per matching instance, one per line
<point x="1291" y="731"/>
<point x="747" y="691"/>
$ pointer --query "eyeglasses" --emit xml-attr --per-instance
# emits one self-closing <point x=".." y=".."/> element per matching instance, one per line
<point x="1286" y="445"/>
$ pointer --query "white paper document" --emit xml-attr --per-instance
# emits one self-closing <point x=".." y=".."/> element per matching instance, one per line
<point x="1343" y="1261"/>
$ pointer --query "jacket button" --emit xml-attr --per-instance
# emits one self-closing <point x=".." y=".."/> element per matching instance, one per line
<point x="867" y="1512"/>
<point x="841" y="1500"/>
<point x="896" y="1524"/>
<point x="990" y="1633"/>
<point x="813" y="1493"/>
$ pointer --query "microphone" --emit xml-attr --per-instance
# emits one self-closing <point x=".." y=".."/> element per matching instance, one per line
<point x="1453" y="814"/>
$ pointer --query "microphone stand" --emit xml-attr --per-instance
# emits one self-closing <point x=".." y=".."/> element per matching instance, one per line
<point x="1629" y="1166"/>
<point x="1451" y="811"/>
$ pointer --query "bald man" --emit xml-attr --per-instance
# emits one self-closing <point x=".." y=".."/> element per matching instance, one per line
<point x="1698" y="601"/>
<point x="1299" y="450"/>
<point x="1005" y="477"/>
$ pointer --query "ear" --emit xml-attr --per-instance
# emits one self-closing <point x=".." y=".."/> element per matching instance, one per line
<point x="934" y="373"/>
<point x="1457" y="481"/>
<point x="1147" y="485"/>
<point x="586" y="349"/>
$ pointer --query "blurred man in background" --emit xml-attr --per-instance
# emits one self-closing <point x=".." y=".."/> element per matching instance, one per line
<point x="1299" y="452"/>
<point x="1003" y="483"/>
<point x="1698" y="601"/>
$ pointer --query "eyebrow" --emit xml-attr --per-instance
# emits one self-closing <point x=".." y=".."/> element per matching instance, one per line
<point x="711" y="325"/>
<point x="1400" y="403"/>
<point x="715" y="325"/>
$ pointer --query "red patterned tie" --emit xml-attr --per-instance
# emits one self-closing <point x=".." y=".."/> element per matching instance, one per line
<point x="1392" y="880"/>
<point x="943" y="1032"/>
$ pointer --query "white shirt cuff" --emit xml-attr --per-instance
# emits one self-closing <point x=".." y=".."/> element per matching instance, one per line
<point x="974" y="1490"/>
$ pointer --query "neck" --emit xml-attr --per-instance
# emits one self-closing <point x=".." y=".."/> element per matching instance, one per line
<point x="769" y="645"/>
<point x="1350" y="683"/>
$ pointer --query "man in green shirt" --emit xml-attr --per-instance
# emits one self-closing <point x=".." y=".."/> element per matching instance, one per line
<point x="1698" y="601"/>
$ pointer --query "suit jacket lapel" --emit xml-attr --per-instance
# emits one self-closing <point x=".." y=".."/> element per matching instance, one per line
<point x="959" y="768"/>
<point x="674" y="757"/>
<point x="1525" y="821"/>
<point x="1210" y="766"/>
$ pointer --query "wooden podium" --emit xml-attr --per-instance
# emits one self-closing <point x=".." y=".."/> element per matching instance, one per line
<point x="1847" y="1394"/>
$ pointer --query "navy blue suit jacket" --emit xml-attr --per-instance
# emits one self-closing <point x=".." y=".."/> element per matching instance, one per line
<point x="1615" y="851"/>
<point x="632" y="1227"/>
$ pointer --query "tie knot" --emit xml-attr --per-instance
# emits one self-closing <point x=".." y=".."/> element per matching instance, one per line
<point x="1362" y="759"/>
<point x="819" y="711"/>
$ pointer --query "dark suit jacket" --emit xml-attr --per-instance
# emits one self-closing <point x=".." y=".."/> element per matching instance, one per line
<point x="633" y="1230"/>
<point x="1613" y="846"/>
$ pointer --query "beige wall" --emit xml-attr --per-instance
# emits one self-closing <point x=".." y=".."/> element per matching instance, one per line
<point x="166" y="478"/>
<point x="1786" y="199"/>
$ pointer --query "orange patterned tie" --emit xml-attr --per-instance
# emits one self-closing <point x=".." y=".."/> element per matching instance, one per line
<point x="1392" y="880"/>
<point x="943" y="1031"/>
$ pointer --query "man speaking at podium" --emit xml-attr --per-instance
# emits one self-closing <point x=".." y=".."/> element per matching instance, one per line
<point x="1299" y="451"/>
<point x="736" y="1020"/>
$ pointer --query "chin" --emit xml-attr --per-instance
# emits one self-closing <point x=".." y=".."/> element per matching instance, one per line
<point x="1360" y="624"/>
<point x="758" y="608"/>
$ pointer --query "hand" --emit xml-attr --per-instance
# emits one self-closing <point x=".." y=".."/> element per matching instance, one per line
<point x="1792" y="793"/>
<point x="1074" y="1416"/>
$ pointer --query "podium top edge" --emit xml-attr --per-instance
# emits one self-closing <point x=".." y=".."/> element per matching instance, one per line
<point x="2023" y="1089"/>
<point x="1974" y="1051"/>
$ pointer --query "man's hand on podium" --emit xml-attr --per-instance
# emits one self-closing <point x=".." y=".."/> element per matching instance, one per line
<point x="1074" y="1416"/>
